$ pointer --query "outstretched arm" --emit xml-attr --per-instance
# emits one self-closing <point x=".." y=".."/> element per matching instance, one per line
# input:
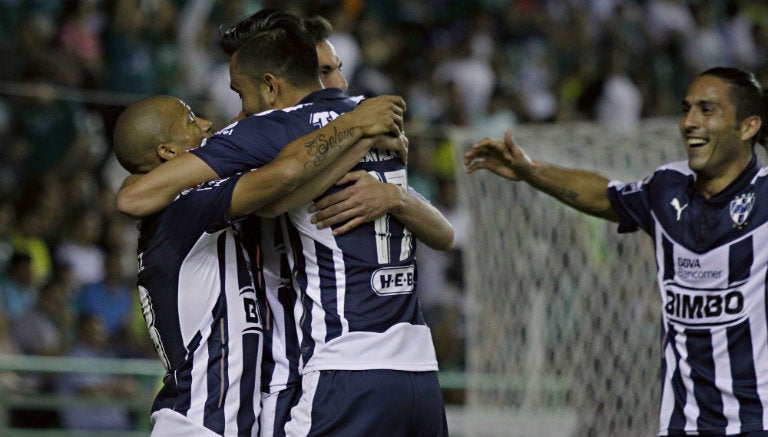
<point x="368" y="199"/>
<point x="302" y="158"/>
<point x="583" y="190"/>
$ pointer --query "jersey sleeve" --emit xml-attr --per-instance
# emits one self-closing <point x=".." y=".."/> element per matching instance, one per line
<point x="204" y="208"/>
<point x="242" y="146"/>
<point x="631" y="201"/>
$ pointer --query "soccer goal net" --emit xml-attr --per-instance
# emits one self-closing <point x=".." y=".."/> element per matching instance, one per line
<point x="562" y="311"/>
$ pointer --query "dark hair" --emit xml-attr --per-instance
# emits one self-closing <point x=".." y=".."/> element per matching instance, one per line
<point x="747" y="95"/>
<point x="286" y="50"/>
<point x="318" y="27"/>
<point x="233" y="38"/>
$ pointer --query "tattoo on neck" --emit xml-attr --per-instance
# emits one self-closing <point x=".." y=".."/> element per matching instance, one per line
<point x="320" y="146"/>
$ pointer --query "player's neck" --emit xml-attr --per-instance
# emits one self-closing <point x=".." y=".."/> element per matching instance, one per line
<point x="292" y="96"/>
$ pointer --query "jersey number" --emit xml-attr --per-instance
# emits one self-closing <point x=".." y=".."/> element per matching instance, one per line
<point x="381" y="225"/>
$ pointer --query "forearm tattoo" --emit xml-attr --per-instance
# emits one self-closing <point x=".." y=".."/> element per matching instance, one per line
<point x="321" y="145"/>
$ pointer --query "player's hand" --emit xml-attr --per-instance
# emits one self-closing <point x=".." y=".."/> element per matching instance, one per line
<point x="503" y="158"/>
<point x="365" y="200"/>
<point x="397" y="144"/>
<point x="380" y="115"/>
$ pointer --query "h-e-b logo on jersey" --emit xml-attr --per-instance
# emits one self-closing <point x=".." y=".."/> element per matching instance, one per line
<point x="393" y="280"/>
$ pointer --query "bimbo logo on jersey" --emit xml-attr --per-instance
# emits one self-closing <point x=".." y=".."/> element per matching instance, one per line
<point x="740" y="208"/>
<point x="393" y="280"/>
<point x="703" y="308"/>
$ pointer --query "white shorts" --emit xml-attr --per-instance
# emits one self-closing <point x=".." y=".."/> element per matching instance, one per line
<point x="168" y="423"/>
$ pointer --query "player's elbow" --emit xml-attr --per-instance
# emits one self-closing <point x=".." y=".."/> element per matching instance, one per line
<point x="130" y="204"/>
<point x="289" y="179"/>
<point x="271" y="211"/>
<point x="442" y="241"/>
<point x="445" y="242"/>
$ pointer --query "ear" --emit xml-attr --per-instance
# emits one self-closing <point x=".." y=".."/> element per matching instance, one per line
<point x="750" y="126"/>
<point x="272" y="87"/>
<point x="167" y="151"/>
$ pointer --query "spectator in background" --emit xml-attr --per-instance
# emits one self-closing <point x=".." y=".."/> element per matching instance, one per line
<point x="18" y="292"/>
<point x="93" y="341"/>
<point x="467" y="67"/>
<point x="81" y="248"/>
<point x="47" y="328"/>
<point x="619" y="104"/>
<point x="37" y="332"/>
<point x="46" y="121"/>
<point x="131" y="65"/>
<point x="706" y="44"/>
<point x="32" y="234"/>
<point x="7" y="223"/>
<point x="79" y="37"/>
<point x="41" y="330"/>
<point x="111" y="298"/>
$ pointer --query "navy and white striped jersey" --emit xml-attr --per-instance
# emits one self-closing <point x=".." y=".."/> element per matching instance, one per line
<point x="199" y="302"/>
<point x="357" y="292"/>
<point x="277" y="301"/>
<point x="712" y="258"/>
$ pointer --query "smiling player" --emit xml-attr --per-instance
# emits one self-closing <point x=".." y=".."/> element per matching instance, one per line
<point x="708" y="223"/>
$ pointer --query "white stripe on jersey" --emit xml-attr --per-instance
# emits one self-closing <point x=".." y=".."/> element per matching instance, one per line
<point x="667" y="396"/>
<point x="200" y="271"/>
<point x="199" y="389"/>
<point x="722" y="381"/>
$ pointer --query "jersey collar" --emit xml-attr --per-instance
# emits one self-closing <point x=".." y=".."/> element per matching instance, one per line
<point x="738" y="185"/>
<point x="324" y="94"/>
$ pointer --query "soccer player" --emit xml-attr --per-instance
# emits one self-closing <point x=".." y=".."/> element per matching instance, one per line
<point x="708" y="226"/>
<point x="330" y="63"/>
<point x="197" y="291"/>
<point x="374" y="314"/>
<point x="364" y="199"/>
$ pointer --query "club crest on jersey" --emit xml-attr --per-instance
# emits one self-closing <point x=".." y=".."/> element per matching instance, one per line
<point x="741" y="207"/>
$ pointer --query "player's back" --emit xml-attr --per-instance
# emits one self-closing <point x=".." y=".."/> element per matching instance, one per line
<point x="357" y="290"/>
<point x="363" y="310"/>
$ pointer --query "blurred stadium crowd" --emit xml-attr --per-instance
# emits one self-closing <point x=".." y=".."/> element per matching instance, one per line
<point x="67" y="258"/>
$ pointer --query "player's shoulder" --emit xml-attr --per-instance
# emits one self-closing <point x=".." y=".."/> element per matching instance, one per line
<point x="676" y="168"/>
<point x="254" y="126"/>
<point x="762" y="172"/>
<point x="672" y="172"/>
